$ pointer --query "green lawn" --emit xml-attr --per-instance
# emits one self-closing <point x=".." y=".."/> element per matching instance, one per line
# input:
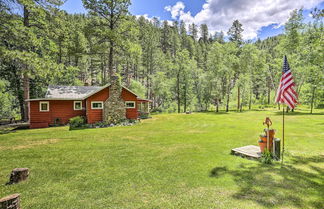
<point x="169" y="161"/>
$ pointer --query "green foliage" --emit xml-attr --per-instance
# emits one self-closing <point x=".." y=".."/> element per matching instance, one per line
<point x="235" y="32"/>
<point x="77" y="122"/>
<point x="178" y="70"/>
<point x="138" y="88"/>
<point x="267" y="157"/>
<point x="6" y="100"/>
<point x="144" y="115"/>
<point x="99" y="124"/>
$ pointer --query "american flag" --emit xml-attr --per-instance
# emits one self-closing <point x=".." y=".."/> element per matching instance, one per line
<point x="286" y="93"/>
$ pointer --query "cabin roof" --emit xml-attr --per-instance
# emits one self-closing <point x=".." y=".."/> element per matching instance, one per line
<point x="70" y="92"/>
<point x="74" y="92"/>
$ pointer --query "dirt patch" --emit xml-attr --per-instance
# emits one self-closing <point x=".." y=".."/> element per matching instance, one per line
<point x="149" y="120"/>
<point x="30" y="145"/>
<point x="196" y="131"/>
<point x="135" y="138"/>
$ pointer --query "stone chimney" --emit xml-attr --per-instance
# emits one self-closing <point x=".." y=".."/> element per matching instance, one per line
<point x="114" y="107"/>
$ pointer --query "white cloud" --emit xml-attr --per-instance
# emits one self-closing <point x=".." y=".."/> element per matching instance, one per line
<point x="146" y="16"/>
<point x="253" y="14"/>
<point x="176" y="9"/>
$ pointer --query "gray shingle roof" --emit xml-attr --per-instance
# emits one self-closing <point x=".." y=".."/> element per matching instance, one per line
<point x="70" y="92"/>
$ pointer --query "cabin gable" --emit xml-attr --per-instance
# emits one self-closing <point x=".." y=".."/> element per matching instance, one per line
<point x="95" y="115"/>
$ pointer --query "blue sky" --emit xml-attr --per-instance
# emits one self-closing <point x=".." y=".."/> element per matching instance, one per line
<point x="260" y="18"/>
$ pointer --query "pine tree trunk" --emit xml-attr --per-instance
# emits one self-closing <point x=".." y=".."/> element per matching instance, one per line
<point x="26" y="17"/>
<point x="127" y="74"/>
<point x="135" y="72"/>
<point x="26" y="96"/>
<point x="269" y="94"/>
<point x="227" y="101"/>
<point x="19" y="93"/>
<point x="185" y="98"/>
<point x="178" y="91"/>
<point x="312" y="102"/>
<point x="147" y="85"/>
<point x="103" y="72"/>
<point x="76" y="61"/>
<point x="217" y="105"/>
<point x="60" y="52"/>
<point x="93" y="75"/>
<point x="111" y="59"/>
<point x="250" y="100"/>
<point x="241" y="105"/>
<point x="197" y="93"/>
<point x="25" y="75"/>
<point x="150" y="73"/>
<point x="238" y="97"/>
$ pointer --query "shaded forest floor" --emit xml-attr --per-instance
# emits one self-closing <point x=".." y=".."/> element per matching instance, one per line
<point x="169" y="161"/>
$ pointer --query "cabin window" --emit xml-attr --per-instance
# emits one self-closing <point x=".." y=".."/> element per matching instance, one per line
<point x="77" y="105"/>
<point x="44" y="106"/>
<point x="130" y="104"/>
<point x="96" y="105"/>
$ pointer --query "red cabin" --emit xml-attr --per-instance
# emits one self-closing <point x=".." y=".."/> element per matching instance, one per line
<point x="64" y="102"/>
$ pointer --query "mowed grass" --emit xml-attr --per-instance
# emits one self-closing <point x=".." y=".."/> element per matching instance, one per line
<point x="169" y="161"/>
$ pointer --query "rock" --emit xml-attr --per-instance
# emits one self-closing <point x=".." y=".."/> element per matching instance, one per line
<point x="10" y="202"/>
<point x="114" y="107"/>
<point x="18" y="174"/>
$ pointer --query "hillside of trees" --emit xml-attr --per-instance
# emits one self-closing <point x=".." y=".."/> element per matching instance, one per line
<point x="179" y="67"/>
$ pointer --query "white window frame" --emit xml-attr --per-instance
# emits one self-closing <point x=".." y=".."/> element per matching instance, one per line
<point x="40" y="107"/>
<point x="96" y="108"/>
<point x="75" y="102"/>
<point x="133" y="102"/>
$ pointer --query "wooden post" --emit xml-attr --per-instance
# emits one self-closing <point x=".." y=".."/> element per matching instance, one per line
<point x="10" y="202"/>
<point x="268" y="138"/>
<point x="283" y="133"/>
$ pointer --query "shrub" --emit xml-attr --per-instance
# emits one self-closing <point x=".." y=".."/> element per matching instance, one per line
<point x="157" y="110"/>
<point x="77" y="122"/>
<point x="320" y="106"/>
<point x="100" y="124"/>
<point x="132" y="121"/>
<point x="7" y="100"/>
<point x="267" y="157"/>
<point x="144" y="115"/>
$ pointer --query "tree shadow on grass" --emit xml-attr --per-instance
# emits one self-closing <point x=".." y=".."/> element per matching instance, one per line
<point x="217" y="171"/>
<point x="287" y="186"/>
<point x="221" y="112"/>
<point x="6" y="130"/>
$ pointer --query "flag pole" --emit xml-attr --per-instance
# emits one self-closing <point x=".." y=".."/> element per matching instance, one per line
<point x="283" y="134"/>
